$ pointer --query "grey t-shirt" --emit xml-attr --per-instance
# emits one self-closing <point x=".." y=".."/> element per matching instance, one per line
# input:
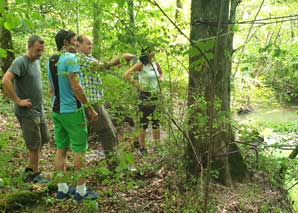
<point x="27" y="84"/>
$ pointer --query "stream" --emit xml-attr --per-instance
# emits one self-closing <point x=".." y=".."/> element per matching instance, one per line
<point x="269" y="118"/>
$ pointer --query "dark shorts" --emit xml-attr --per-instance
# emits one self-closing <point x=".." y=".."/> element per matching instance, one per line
<point x="147" y="109"/>
<point x="35" y="131"/>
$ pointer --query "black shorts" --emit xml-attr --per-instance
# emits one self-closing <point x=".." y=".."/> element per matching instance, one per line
<point x="147" y="109"/>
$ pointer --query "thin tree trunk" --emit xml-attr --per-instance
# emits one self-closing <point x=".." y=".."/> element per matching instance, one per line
<point x="97" y="23"/>
<point x="179" y="7"/>
<point x="6" y="44"/>
<point x="132" y="22"/>
<point x="78" y="17"/>
<point x="294" y="153"/>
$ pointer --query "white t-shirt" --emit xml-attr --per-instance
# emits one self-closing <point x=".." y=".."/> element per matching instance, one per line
<point x="148" y="77"/>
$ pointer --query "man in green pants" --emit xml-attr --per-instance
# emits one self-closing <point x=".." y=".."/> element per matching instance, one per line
<point x="68" y="114"/>
<point x="92" y="84"/>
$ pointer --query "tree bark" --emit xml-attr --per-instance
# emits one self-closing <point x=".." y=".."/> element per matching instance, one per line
<point x="209" y="89"/>
<point x="6" y="44"/>
<point x="294" y="153"/>
<point x="179" y="7"/>
<point x="96" y="31"/>
<point x="132" y="22"/>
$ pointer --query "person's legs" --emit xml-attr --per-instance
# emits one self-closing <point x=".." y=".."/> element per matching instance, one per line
<point x="105" y="130"/>
<point x="79" y="164"/>
<point x="62" y="144"/>
<point x="76" y="127"/>
<point x="34" y="156"/>
<point x="106" y="133"/>
<point x="60" y="157"/>
<point x="156" y="134"/>
<point x="155" y="126"/>
<point x="34" y="139"/>
<point x="142" y="136"/>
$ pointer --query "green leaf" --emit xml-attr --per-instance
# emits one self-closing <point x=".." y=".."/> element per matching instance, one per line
<point x="2" y="6"/>
<point x="12" y="21"/>
<point x="206" y="45"/>
<point x="129" y="158"/>
<point x="209" y="55"/>
<point x="192" y="51"/>
<point x="3" y="53"/>
<point x="197" y="63"/>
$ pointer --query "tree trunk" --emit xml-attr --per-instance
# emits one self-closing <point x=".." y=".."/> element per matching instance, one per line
<point x="78" y="17"/>
<point x="209" y="89"/>
<point x="237" y="166"/>
<point x="294" y="153"/>
<point x="6" y="44"/>
<point x="179" y="7"/>
<point x="132" y="22"/>
<point x="96" y="31"/>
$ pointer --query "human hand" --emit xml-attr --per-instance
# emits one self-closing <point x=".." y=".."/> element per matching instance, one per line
<point x="92" y="115"/>
<point x="24" y="103"/>
<point x="128" y="57"/>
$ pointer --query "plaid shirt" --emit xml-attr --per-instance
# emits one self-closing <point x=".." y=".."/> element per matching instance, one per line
<point x="90" y="80"/>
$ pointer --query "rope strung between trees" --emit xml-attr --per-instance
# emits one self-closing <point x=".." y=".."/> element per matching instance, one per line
<point x="258" y="147"/>
<point x="257" y="21"/>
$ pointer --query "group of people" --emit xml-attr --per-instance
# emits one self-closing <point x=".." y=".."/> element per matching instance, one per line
<point x="76" y="90"/>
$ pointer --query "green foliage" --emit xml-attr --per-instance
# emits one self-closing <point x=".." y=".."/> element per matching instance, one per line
<point x="257" y="85"/>
<point x="3" y="53"/>
<point x="90" y="206"/>
<point x="18" y="200"/>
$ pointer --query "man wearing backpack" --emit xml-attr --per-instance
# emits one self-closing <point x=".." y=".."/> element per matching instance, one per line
<point x="70" y="126"/>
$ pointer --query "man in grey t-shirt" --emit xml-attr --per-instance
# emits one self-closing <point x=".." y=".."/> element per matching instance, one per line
<point x="22" y="83"/>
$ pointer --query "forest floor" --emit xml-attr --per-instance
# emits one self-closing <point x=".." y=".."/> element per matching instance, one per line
<point x="149" y="183"/>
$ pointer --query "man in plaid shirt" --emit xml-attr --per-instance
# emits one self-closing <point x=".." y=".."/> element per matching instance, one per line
<point x="90" y="80"/>
<point x="92" y="84"/>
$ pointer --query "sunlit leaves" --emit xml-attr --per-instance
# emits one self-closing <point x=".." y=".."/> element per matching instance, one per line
<point x="2" y="6"/>
<point x="11" y="22"/>
<point x="3" y="53"/>
<point x="205" y="47"/>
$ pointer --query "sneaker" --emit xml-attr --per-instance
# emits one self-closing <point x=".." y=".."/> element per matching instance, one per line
<point x="89" y="196"/>
<point x="72" y="191"/>
<point x="29" y="176"/>
<point x="37" y="178"/>
<point x="62" y="195"/>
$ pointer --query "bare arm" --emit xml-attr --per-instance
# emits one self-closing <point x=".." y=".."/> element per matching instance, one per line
<point x="79" y="93"/>
<point x="161" y="77"/>
<point x="7" y="82"/>
<point x="128" y="74"/>
<point x="117" y="61"/>
<point x="103" y="66"/>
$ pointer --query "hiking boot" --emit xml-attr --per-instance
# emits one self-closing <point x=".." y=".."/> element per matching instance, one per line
<point x="88" y="196"/>
<point x="29" y="176"/>
<point x="37" y="178"/>
<point x="62" y="195"/>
